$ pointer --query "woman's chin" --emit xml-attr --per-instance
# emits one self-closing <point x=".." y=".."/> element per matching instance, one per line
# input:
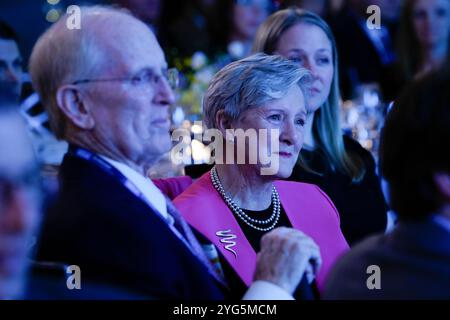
<point x="276" y="173"/>
<point x="284" y="174"/>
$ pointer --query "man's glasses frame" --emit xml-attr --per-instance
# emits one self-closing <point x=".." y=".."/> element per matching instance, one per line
<point x="144" y="77"/>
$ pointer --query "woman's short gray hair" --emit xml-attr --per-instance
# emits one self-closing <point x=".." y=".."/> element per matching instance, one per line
<point x="251" y="82"/>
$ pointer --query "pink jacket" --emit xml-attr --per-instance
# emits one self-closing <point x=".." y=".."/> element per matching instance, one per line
<point x="172" y="187"/>
<point x="308" y="208"/>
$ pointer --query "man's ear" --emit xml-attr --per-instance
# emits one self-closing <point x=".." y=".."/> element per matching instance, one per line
<point x="71" y="102"/>
<point x="442" y="180"/>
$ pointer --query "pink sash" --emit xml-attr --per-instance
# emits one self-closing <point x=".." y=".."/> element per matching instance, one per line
<point x="307" y="207"/>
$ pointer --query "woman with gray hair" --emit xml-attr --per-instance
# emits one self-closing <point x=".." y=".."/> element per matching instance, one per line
<point x="338" y="164"/>
<point x="258" y="106"/>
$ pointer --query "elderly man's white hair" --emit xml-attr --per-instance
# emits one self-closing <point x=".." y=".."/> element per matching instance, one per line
<point x="63" y="55"/>
<point x="251" y="82"/>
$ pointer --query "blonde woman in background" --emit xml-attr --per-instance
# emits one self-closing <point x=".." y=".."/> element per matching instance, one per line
<point x="334" y="162"/>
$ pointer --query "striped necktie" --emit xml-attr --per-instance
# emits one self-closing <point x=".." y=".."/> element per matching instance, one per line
<point x="181" y="225"/>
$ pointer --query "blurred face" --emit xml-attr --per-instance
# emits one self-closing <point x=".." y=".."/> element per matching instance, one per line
<point x="247" y="16"/>
<point x="431" y="20"/>
<point x="287" y="115"/>
<point x="132" y="117"/>
<point x="309" y="46"/>
<point x="19" y="203"/>
<point x="10" y="67"/>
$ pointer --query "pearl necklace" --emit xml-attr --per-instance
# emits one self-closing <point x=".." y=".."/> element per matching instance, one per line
<point x="240" y="213"/>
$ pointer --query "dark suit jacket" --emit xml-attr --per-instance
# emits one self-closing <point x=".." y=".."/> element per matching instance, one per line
<point x="359" y="60"/>
<point x="414" y="263"/>
<point x="116" y="239"/>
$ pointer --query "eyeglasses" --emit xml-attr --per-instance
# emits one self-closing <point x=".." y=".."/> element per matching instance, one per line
<point x="143" y="78"/>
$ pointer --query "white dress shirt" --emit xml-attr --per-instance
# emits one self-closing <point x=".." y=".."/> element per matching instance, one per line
<point x="259" y="290"/>
<point x="152" y="194"/>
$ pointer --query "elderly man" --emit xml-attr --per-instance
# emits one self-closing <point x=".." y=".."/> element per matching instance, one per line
<point x="19" y="200"/>
<point x="107" y="92"/>
<point x="48" y="149"/>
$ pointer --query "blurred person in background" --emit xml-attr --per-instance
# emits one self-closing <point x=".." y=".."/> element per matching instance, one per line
<point x="216" y="28"/>
<point x="186" y="27"/>
<point x="339" y="165"/>
<point x="20" y="199"/>
<point x="413" y="261"/>
<point x="365" y="55"/>
<point x="423" y="43"/>
<point x="48" y="150"/>
<point x="237" y="23"/>
<point x="10" y="63"/>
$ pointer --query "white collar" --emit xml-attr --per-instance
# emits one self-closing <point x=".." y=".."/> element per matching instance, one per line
<point x="145" y="185"/>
